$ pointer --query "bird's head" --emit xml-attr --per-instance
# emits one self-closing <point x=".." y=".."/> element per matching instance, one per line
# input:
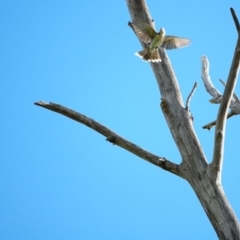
<point x="162" y="31"/>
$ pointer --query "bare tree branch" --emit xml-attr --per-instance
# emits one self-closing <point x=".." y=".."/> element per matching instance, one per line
<point x="190" y="95"/>
<point x="213" y="123"/>
<point x="235" y="102"/>
<point x="222" y="114"/>
<point x="235" y="19"/>
<point x="235" y="97"/>
<point x="217" y="97"/>
<point x="113" y="137"/>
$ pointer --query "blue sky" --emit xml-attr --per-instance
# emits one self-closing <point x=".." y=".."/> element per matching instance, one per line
<point x="61" y="180"/>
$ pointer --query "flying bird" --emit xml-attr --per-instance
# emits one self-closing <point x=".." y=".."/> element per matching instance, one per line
<point x="156" y="40"/>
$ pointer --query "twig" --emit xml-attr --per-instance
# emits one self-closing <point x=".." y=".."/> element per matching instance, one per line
<point x="213" y="123"/>
<point x="235" y="19"/>
<point x="113" y="137"/>
<point x="190" y="95"/>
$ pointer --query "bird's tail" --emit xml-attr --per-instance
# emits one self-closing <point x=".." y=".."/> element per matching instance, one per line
<point x="146" y="55"/>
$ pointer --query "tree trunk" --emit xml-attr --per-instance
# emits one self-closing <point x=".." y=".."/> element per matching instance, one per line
<point x="194" y="167"/>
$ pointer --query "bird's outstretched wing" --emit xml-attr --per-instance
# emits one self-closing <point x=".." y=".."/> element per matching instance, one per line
<point x="171" y="42"/>
<point x="145" y="32"/>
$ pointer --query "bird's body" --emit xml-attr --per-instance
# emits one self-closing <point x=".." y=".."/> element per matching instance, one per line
<point x="156" y="40"/>
<point x="150" y="53"/>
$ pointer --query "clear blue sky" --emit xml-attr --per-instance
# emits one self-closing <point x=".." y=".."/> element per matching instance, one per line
<point x="61" y="180"/>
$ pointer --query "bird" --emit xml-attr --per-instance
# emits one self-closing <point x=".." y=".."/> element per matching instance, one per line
<point x="155" y="40"/>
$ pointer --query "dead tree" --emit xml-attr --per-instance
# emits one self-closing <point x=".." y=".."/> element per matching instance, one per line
<point x="204" y="177"/>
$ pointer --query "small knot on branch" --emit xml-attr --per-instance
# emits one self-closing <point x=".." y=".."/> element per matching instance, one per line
<point x="164" y="105"/>
<point x="162" y="160"/>
<point x="111" y="139"/>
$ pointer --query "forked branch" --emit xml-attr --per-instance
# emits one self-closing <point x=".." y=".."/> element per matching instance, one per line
<point x="234" y="102"/>
<point x="113" y="137"/>
<point x="217" y="96"/>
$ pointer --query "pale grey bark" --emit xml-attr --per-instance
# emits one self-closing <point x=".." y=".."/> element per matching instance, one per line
<point x="204" y="178"/>
<point x="113" y="137"/>
<point x="217" y="96"/>
<point x="190" y="95"/>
